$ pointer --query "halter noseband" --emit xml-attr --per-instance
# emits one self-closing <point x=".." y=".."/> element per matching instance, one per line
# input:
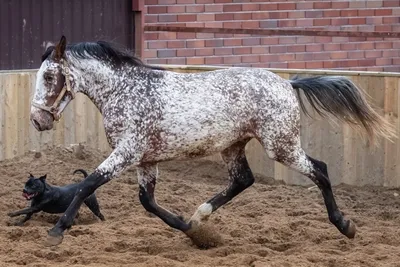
<point x="53" y="109"/>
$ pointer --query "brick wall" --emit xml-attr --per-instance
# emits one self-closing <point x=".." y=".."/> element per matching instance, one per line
<point x="375" y="54"/>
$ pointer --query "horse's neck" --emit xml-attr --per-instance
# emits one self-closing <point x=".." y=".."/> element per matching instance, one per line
<point x="93" y="80"/>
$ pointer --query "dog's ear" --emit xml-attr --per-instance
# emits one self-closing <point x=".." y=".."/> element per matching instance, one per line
<point x="43" y="178"/>
<point x="30" y="175"/>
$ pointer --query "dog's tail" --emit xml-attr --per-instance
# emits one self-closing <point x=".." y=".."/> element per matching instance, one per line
<point x="81" y="171"/>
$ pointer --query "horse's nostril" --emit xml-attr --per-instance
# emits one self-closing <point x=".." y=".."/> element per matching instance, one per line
<point x="36" y="124"/>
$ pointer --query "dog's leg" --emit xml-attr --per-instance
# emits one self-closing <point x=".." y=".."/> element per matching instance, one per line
<point x="93" y="205"/>
<point x="24" y="220"/>
<point x="23" y="211"/>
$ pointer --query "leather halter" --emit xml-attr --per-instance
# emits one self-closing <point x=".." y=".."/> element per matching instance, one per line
<point x="53" y="109"/>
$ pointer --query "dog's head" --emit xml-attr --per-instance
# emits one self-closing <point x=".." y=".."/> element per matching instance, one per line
<point x="34" y="187"/>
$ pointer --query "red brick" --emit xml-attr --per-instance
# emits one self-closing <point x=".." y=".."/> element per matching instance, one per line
<point x="195" y="60"/>
<point x="314" y="47"/>
<point x="304" y="56"/>
<point x="365" y="12"/>
<point x="176" y="44"/>
<point x="204" y="1"/>
<point x="222" y="1"/>
<point x="356" y="54"/>
<point x="231" y="60"/>
<point x="166" y="53"/>
<point x="242" y="16"/>
<point x="232" y="42"/>
<point x="268" y="7"/>
<point x="391" y="20"/>
<point x="260" y="50"/>
<point x="340" y="21"/>
<point x="176" y="61"/>
<point x="296" y="65"/>
<point x="348" y="46"/>
<point x="349" y="13"/>
<point x="150" y="36"/>
<point x="157" y="44"/>
<point x="391" y="68"/>
<point x="185" y="52"/>
<point x="323" y="39"/>
<point x="383" y="61"/>
<point x="223" y="51"/>
<point x="287" y="57"/>
<point x="151" y="2"/>
<point x="348" y="63"/>
<point x="205" y="52"/>
<point x="269" y="58"/>
<point x="305" y="39"/>
<point x="262" y="15"/>
<point x="331" y="13"/>
<point x="357" y="4"/>
<point x="384" y="45"/>
<point x="213" y="60"/>
<point x="296" y="48"/>
<point x="167" y="35"/>
<point x="150" y="54"/>
<point x="383" y="28"/>
<point x="166" y="2"/>
<point x="250" y="58"/>
<point x="396" y="61"/>
<point x="331" y="47"/>
<point x="232" y="8"/>
<point x="322" y="22"/>
<point x="185" y="1"/>
<point x="338" y="55"/>
<point x="322" y="5"/>
<point x="321" y="56"/>
<point x="304" y="5"/>
<point x="250" y="7"/>
<point x="391" y="3"/>
<point x="314" y="64"/>
<point x="202" y="35"/>
<point x="279" y="65"/>
<point x="286" y="6"/>
<point x="195" y="44"/>
<point x="271" y="23"/>
<point x="186" y="17"/>
<point x="331" y="64"/>
<point x="272" y="15"/>
<point x="214" y="43"/>
<point x="373" y="54"/>
<point x="251" y="41"/>
<point x="250" y="24"/>
<point x="383" y="12"/>
<point x="176" y="9"/>
<point x="287" y="23"/>
<point x="195" y="8"/>
<point x="156" y="9"/>
<point x="224" y="16"/>
<point x="357" y="21"/>
<point x="167" y="18"/>
<point x="366" y="46"/>
<point x="296" y="14"/>
<point x="213" y="8"/>
<point x="366" y="62"/>
<point x="278" y="49"/>
<point x="232" y="24"/>
<point x="156" y="61"/>
<point x="270" y="40"/>
<point x="340" y="5"/>
<point x="185" y="35"/>
<point x="151" y="18"/>
<point x="241" y="50"/>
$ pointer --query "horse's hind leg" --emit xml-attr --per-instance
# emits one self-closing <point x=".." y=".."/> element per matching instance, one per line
<point x="292" y="155"/>
<point x="240" y="178"/>
<point x="93" y="205"/>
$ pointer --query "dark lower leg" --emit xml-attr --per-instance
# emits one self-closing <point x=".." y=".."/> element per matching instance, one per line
<point x="86" y="188"/>
<point x="147" y="182"/>
<point x="321" y="179"/>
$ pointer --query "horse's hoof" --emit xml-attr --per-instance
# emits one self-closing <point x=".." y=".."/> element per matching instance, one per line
<point x="351" y="229"/>
<point x="53" y="240"/>
<point x="204" y="236"/>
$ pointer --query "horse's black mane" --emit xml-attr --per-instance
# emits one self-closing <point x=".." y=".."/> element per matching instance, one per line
<point x="101" y="50"/>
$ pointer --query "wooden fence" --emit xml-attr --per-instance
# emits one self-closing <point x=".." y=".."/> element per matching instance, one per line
<point x="349" y="160"/>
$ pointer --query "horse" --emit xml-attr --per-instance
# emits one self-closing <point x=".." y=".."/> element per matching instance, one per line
<point x="152" y="115"/>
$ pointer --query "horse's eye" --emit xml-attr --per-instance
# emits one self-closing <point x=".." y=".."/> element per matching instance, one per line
<point x="48" y="78"/>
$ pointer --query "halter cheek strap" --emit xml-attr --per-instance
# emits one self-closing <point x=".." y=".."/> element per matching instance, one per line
<point x="53" y="109"/>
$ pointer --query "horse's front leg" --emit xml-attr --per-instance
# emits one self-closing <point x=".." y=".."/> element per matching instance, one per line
<point x="147" y="178"/>
<point x="118" y="160"/>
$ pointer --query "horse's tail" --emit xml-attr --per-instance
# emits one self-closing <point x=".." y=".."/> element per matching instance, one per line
<point x="340" y="97"/>
<point x="81" y="171"/>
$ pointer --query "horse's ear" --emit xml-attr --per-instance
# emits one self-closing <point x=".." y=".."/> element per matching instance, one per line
<point x="60" y="48"/>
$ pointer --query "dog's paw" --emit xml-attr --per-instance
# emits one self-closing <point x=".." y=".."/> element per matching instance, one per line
<point x="11" y="214"/>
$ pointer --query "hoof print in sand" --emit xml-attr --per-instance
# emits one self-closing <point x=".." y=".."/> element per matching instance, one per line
<point x="204" y="236"/>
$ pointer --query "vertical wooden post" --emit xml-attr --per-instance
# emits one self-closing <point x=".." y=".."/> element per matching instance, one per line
<point x="138" y="33"/>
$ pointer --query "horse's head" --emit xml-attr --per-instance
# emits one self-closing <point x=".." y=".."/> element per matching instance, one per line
<point x="53" y="90"/>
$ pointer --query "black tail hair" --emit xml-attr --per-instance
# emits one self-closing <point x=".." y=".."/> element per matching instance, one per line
<point x="340" y="97"/>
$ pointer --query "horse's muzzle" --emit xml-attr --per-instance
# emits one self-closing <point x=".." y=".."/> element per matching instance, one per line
<point x="42" y="120"/>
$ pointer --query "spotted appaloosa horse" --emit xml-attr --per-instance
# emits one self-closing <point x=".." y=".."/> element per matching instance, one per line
<point x="153" y="115"/>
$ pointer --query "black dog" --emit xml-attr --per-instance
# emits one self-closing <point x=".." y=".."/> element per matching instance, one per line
<point x="52" y="199"/>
